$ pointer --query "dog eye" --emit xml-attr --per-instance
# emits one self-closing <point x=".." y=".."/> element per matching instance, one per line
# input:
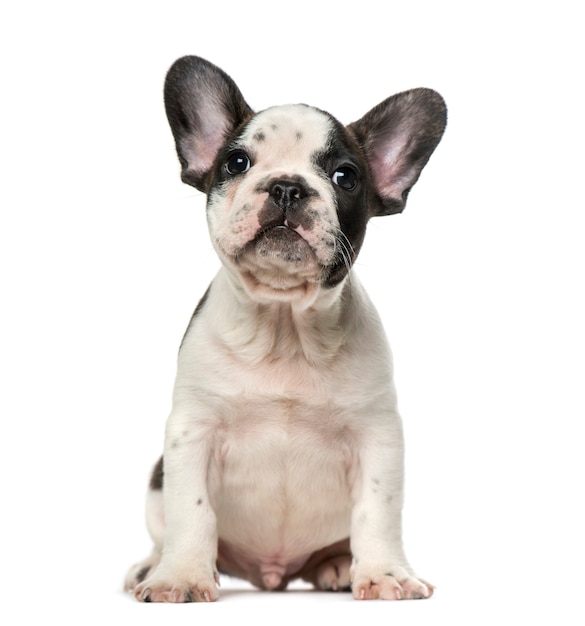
<point x="237" y="163"/>
<point x="345" y="177"/>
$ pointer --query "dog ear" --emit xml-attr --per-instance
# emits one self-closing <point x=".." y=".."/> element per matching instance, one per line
<point x="398" y="137"/>
<point x="203" y="106"/>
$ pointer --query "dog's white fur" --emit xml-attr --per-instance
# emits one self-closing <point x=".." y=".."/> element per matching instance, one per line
<point x="279" y="155"/>
<point x="284" y="436"/>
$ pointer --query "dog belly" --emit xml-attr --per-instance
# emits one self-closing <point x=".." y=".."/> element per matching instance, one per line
<point x="280" y="493"/>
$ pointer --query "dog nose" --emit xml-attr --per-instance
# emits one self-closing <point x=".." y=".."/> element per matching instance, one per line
<point x="286" y="193"/>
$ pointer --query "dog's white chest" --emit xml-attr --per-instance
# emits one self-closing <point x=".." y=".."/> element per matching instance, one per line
<point x="281" y="478"/>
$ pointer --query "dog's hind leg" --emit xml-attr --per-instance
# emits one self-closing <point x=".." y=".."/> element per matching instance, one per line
<point x="140" y="571"/>
<point x="334" y="574"/>
<point x="329" y="569"/>
<point x="155" y="524"/>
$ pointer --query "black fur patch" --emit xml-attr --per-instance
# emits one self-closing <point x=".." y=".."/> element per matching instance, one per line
<point x="142" y="574"/>
<point x="156" y="480"/>
<point x="352" y="205"/>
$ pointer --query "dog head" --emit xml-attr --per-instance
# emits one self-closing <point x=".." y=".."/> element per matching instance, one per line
<point x="290" y="189"/>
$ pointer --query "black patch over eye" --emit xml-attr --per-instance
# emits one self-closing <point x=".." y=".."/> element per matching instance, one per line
<point x="345" y="177"/>
<point x="237" y="163"/>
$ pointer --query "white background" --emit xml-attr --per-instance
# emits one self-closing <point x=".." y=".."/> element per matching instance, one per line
<point x="104" y="254"/>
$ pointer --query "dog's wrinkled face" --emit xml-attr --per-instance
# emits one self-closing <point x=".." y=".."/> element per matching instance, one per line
<point x="282" y="193"/>
<point x="290" y="189"/>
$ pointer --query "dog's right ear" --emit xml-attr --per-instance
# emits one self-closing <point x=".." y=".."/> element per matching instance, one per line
<point x="203" y="106"/>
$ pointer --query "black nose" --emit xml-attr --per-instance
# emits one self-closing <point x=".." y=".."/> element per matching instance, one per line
<point x="286" y="193"/>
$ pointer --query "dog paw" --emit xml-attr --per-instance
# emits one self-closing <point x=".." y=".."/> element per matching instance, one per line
<point x="159" y="588"/>
<point x="333" y="574"/>
<point x="386" y="586"/>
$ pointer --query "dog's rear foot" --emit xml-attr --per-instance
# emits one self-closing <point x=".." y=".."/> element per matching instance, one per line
<point x="330" y="573"/>
<point x="333" y="574"/>
<point x="140" y="571"/>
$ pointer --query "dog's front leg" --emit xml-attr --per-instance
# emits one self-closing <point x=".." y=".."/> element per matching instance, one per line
<point x="187" y="570"/>
<point x="379" y="568"/>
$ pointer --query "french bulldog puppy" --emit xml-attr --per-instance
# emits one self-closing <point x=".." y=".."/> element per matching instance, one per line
<point x="283" y="452"/>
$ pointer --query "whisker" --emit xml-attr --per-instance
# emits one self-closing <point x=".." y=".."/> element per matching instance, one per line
<point x="344" y="248"/>
<point x="348" y="242"/>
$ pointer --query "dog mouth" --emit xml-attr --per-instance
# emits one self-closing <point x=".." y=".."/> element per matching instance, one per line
<point x="282" y="244"/>
<point x="279" y="260"/>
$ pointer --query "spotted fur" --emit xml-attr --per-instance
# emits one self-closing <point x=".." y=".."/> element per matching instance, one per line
<point x="283" y="453"/>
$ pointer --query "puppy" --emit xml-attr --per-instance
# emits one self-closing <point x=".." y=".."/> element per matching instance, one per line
<point x="283" y="454"/>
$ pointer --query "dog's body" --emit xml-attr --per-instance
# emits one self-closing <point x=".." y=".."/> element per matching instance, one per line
<point x="283" y="453"/>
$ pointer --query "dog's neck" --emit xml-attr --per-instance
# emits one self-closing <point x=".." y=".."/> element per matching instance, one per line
<point x="260" y="330"/>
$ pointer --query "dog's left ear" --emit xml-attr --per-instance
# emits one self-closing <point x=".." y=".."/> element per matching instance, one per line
<point x="203" y="106"/>
<point x="398" y="137"/>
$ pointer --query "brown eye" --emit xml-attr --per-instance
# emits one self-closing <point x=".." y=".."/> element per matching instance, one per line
<point x="237" y="163"/>
<point x="345" y="177"/>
